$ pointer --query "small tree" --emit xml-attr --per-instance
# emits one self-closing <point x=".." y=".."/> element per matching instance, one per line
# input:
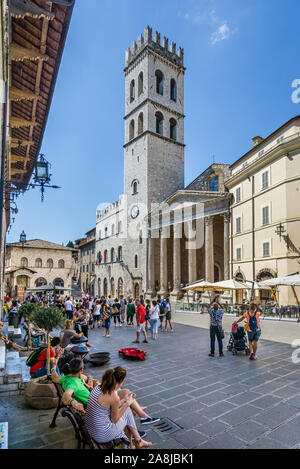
<point x="70" y="244"/>
<point x="26" y="311"/>
<point x="48" y="319"/>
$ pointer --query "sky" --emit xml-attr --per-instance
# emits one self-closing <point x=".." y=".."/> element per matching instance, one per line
<point x="242" y="57"/>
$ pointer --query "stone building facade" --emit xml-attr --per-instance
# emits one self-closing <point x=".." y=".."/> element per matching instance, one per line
<point x="85" y="267"/>
<point x="265" y="211"/>
<point x="37" y="263"/>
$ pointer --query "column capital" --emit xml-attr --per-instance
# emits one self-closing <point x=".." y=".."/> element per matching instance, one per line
<point x="226" y="217"/>
<point x="208" y="220"/>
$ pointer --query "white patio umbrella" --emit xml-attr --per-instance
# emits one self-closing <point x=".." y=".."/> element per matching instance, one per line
<point x="200" y="286"/>
<point x="289" y="281"/>
<point x="231" y="284"/>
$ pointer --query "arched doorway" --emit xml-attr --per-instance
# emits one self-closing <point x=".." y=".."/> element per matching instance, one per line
<point x="265" y="274"/>
<point x="217" y="273"/>
<point x="120" y="287"/>
<point x="105" y="287"/>
<point x="239" y="293"/>
<point x="40" y="282"/>
<point x="112" y="287"/>
<point x="23" y="280"/>
<point x="136" y="291"/>
<point x="99" y="287"/>
<point x="58" y="282"/>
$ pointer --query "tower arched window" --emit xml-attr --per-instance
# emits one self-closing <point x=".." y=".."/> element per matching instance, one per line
<point x="132" y="91"/>
<point x="136" y="261"/>
<point x="61" y="264"/>
<point x="159" y="123"/>
<point x="120" y="253"/>
<point x="141" y="84"/>
<point x="131" y="130"/>
<point x="173" y="129"/>
<point x="134" y="187"/>
<point x="112" y="255"/>
<point x="105" y="256"/>
<point x="38" y="263"/>
<point x="173" y="90"/>
<point x="159" y="82"/>
<point x="141" y="124"/>
<point x="50" y="263"/>
<point x="141" y="237"/>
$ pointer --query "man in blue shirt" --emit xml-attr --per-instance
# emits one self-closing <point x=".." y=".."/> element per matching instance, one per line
<point x="216" y="315"/>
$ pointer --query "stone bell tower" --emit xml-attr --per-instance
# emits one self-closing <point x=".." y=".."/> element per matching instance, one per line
<point x="154" y="128"/>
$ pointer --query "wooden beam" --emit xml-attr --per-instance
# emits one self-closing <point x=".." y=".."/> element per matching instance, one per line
<point x="16" y="158"/>
<point x="18" y="54"/>
<point x="15" y="171"/>
<point x="23" y="143"/>
<point x="15" y="94"/>
<point x="19" y="122"/>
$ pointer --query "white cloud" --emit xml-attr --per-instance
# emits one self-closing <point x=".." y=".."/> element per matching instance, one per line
<point x="222" y="33"/>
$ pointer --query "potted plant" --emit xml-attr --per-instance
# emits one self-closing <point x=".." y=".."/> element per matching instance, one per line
<point x="40" y="393"/>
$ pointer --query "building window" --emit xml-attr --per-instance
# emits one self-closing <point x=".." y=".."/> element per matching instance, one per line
<point x="105" y="256"/>
<point x="40" y="282"/>
<point x="141" y="237"/>
<point x="134" y="187"/>
<point x="238" y="195"/>
<point x="120" y="226"/>
<point x="24" y="262"/>
<point x="159" y="123"/>
<point x="173" y="129"/>
<point x="238" y="225"/>
<point x="265" y="180"/>
<point x="214" y="184"/>
<point x="83" y="268"/>
<point x="141" y="84"/>
<point x="141" y="123"/>
<point x="159" y="82"/>
<point x="136" y="261"/>
<point x="38" y="263"/>
<point x="238" y="254"/>
<point x="173" y="90"/>
<point x="93" y="267"/>
<point x="266" y="249"/>
<point x="265" y="216"/>
<point x="61" y="264"/>
<point x="87" y="268"/>
<point x="112" y="229"/>
<point x="131" y="130"/>
<point x="99" y="236"/>
<point x="50" y="264"/>
<point x="132" y="91"/>
<point x="120" y="253"/>
<point x="106" y="232"/>
<point x="112" y="255"/>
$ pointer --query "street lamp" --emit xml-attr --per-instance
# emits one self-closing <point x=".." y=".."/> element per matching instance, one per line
<point x="41" y="175"/>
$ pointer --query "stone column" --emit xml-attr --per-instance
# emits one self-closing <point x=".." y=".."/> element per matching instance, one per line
<point x="226" y="245"/>
<point x="191" y="247"/>
<point x="177" y="259"/>
<point x="209" y="249"/>
<point x="163" y="262"/>
<point x="151" y="266"/>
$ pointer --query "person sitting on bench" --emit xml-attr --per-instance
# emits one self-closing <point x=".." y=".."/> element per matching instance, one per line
<point x="40" y="367"/>
<point x="68" y="334"/>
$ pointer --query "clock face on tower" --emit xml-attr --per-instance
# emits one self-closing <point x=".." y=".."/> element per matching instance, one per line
<point x="135" y="212"/>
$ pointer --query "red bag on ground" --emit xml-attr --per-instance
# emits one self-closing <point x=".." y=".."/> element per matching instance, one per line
<point x="132" y="354"/>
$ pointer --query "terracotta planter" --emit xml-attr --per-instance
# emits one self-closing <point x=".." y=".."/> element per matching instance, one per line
<point x="40" y="394"/>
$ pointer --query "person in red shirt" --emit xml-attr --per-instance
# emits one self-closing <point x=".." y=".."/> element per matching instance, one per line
<point x="141" y="322"/>
<point x="40" y="368"/>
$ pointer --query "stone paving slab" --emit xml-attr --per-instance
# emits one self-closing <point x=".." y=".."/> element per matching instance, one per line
<point x="219" y="403"/>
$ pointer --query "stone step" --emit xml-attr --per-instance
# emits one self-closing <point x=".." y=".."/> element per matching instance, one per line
<point x="2" y="356"/>
<point x="14" y="332"/>
<point x="13" y="369"/>
<point x="3" y="435"/>
<point x="25" y="370"/>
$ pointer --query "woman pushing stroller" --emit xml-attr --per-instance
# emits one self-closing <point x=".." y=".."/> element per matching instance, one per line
<point x="253" y="328"/>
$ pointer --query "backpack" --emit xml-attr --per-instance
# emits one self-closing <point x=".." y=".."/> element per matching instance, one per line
<point x="34" y="357"/>
<point x="253" y="323"/>
<point x="161" y="310"/>
<point x="132" y="354"/>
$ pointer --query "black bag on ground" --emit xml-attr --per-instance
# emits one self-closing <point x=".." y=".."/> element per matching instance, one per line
<point x="34" y="356"/>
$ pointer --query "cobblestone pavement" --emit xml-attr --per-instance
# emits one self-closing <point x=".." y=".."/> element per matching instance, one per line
<point x="218" y="403"/>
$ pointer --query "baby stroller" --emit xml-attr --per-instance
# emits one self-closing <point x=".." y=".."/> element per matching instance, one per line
<point x="238" y="341"/>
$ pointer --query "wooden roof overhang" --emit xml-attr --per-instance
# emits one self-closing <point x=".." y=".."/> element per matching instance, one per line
<point x="38" y="33"/>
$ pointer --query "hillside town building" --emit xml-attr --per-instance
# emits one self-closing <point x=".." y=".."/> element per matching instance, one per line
<point x="85" y="267"/>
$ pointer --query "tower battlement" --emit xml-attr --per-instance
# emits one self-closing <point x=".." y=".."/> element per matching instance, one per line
<point x="155" y="43"/>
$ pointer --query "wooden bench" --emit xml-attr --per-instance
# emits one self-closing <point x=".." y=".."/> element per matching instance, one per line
<point x="83" y="438"/>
